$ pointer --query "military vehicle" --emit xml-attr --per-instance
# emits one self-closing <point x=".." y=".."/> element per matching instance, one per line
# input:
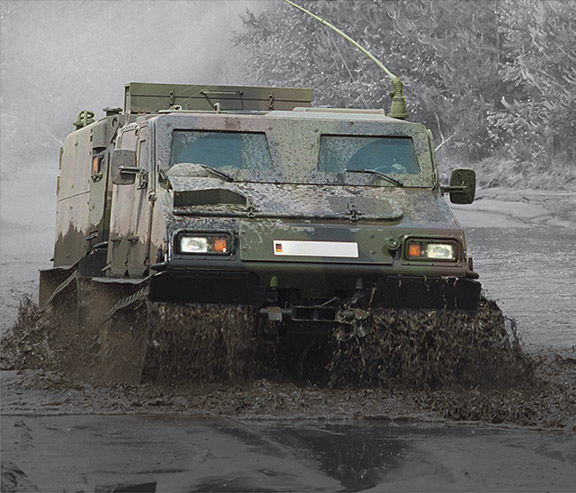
<point x="250" y="196"/>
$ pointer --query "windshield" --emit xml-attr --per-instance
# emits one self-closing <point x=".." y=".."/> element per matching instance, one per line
<point x="281" y="147"/>
<point x="339" y="153"/>
<point x="239" y="150"/>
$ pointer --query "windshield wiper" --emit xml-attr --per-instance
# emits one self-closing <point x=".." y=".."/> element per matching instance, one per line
<point x="378" y="173"/>
<point x="221" y="174"/>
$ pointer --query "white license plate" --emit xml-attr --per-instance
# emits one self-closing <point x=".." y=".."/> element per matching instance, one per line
<point x="291" y="248"/>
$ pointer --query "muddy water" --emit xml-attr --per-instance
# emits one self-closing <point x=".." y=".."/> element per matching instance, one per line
<point x="526" y="256"/>
<point x="172" y="454"/>
<point x="531" y="272"/>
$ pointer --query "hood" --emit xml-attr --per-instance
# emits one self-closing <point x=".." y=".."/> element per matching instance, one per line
<point x="200" y="196"/>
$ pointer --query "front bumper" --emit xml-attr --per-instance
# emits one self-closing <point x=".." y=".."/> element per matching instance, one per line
<point x="323" y="282"/>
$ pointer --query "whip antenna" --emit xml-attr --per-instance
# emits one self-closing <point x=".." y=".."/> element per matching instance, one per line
<point x="398" y="109"/>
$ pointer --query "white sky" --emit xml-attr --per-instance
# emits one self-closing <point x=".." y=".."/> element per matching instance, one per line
<point x="61" y="56"/>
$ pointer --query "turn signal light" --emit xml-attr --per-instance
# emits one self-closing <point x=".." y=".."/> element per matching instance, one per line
<point x="220" y="245"/>
<point x="414" y="250"/>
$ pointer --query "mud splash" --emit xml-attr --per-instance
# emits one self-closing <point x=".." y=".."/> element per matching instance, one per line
<point x="201" y="343"/>
<point x="395" y="365"/>
<point x="151" y="342"/>
<point x="431" y="349"/>
<point x="171" y="343"/>
<point x="27" y="344"/>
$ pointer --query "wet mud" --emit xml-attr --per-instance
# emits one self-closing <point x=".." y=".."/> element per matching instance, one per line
<point x="401" y="365"/>
<point x="175" y="344"/>
<point x="432" y="349"/>
<point x="202" y="343"/>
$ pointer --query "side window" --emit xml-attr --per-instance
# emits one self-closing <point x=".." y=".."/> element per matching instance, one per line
<point x="127" y="140"/>
<point x="142" y="162"/>
<point x="142" y="156"/>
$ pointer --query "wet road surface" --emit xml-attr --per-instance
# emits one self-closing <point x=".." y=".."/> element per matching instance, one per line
<point x="173" y="454"/>
<point x="526" y="258"/>
<point x="531" y="272"/>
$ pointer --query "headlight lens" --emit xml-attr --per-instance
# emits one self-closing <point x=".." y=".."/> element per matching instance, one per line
<point x="207" y="244"/>
<point x="430" y="250"/>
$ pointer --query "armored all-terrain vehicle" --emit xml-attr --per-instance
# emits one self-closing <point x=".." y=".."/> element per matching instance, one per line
<point x="248" y="195"/>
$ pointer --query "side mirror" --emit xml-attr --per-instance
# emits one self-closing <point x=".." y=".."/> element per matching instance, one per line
<point x="462" y="187"/>
<point x="123" y="169"/>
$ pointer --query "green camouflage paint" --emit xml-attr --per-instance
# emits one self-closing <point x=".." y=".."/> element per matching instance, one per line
<point x="284" y="197"/>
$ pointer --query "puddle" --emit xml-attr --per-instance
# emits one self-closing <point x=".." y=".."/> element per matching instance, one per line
<point x="191" y="454"/>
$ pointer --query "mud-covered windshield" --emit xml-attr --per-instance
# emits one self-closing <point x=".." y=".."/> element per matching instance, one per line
<point x="288" y="147"/>
<point x="393" y="155"/>
<point x="241" y="150"/>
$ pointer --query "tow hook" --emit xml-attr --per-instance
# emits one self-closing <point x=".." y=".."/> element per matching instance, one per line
<point x="351" y="323"/>
<point x="274" y="313"/>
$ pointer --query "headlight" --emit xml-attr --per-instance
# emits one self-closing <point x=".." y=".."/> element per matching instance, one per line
<point x="203" y="244"/>
<point x="430" y="250"/>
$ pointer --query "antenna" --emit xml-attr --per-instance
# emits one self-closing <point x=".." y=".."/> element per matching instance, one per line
<point x="398" y="109"/>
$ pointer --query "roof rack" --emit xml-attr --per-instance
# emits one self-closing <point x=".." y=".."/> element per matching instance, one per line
<point x="144" y="97"/>
<point x="379" y="111"/>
